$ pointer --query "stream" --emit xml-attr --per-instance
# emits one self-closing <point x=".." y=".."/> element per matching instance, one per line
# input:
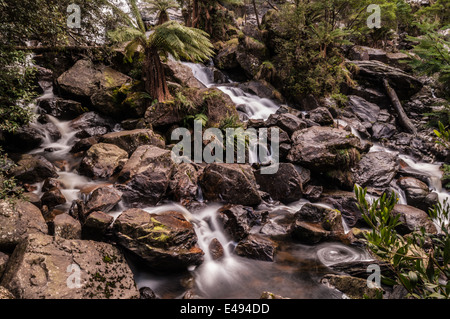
<point x="297" y="268"/>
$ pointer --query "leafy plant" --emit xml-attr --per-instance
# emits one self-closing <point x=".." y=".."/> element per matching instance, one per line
<point x="9" y="190"/>
<point x="420" y="261"/>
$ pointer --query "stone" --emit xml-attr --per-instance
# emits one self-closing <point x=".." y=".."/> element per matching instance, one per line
<point x="322" y="116"/>
<point x="237" y="220"/>
<point x="324" y="148"/>
<point x="33" y="169"/>
<point x="147" y="293"/>
<point x="23" y="139"/>
<point x="308" y="233"/>
<point x="412" y="219"/>
<point x="91" y="120"/>
<point x="17" y="221"/>
<point x="365" y="111"/>
<point x="62" y="109"/>
<point x="383" y="131"/>
<point x="94" y="85"/>
<point x="353" y="287"/>
<point x="177" y="72"/>
<point x="373" y="73"/>
<point x="415" y="190"/>
<point x="66" y="227"/>
<point x="286" y="185"/>
<point x="230" y="183"/>
<point x="346" y="203"/>
<point x="5" y="294"/>
<point x="216" y="249"/>
<point x="44" y="267"/>
<point x="103" y="160"/>
<point x="3" y="262"/>
<point x="183" y="184"/>
<point x="131" y="140"/>
<point x="256" y="247"/>
<point x="376" y="169"/>
<point x="226" y="57"/>
<point x="145" y="178"/>
<point x="53" y="197"/>
<point x="269" y="295"/>
<point x="165" y="241"/>
<point x="103" y="199"/>
<point x="96" y="225"/>
<point x="286" y="121"/>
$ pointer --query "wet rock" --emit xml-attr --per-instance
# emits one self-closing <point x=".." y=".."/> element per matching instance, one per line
<point x="66" y="227"/>
<point x="33" y="198"/>
<point x="373" y="73"/>
<point x="165" y="241"/>
<point x="231" y="183"/>
<point x="23" y="139"/>
<point x="256" y="247"/>
<point x="53" y="197"/>
<point x="250" y="54"/>
<point x="383" y="131"/>
<point x="415" y="190"/>
<point x="364" y="53"/>
<point x="311" y="213"/>
<point x="163" y="115"/>
<point x="286" y="185"/>
<point x="226" y="57"/>
<point x="324" y="148"/>
<point x="103" y="199"/>
<point x="41" y="265"/>
<point x="218" y="106"/>
<point x="183" y="184"/>
<point x="96" y="225"/>
<point x="269" y="295"/>
<point x="5" y="294"/>
<point x="216" y="249"/>
<point x="308" y="233"/>
<point x="103" y="160"/>
<point x="274" y="230"/>
<point x="413" y="219"/>
<point x="131" y="140"/>
<point x="62" y="109"/>
<point x="238" y="220"/>
<point x="84" y="144"/>
<point x="32" y="169"/>
<point x="146" y="176"/>
<point x="355" y="288"/>
<point x="182" y="74"/>
<point x="94" y="85"/>
<point x="321" y="116"/>
<point x="365" y="111"/>
<point x="286" y="121"/>
<point x="17" y="221"/>
<point x="376" y="169"/>
<point x="3" y="262"/>
<point x="147" y="293"/>
<point x="313" y="192"/>
<point x="346" y="203"/>
<point x="261" y="88"/>
<point x="91" y="120"/>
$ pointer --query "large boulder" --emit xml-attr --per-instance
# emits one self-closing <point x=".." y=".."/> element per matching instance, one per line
<point x="237" y="220"/>
<point x="32" y="169"/>
<point x="286" y="185"/>
<point x="17" y="220"/>
<point x="417" y="192"/>
<point x="103" y="199"/>
<point x="46" y="267"/>
<point x="62" y="109"/>
<point x="103" y="160"/>
<point x="324" y="148"/>
<point x="365" y="111"/>
<point x="23" y="139"/>
<point x="256" y="247"/>
<point x="412" y="219"/>
<point x="250" y="54"/>
<point x="66" y="227"/>
<point x="165" y="241"/>
<point x="183" y="184"/>
<point x="225" y="59"/>
<point x="376" y="169"/>
<point x="231" y="183"/>
<point x="131" y="140"/>
<point x="95" y="85"/>
<point x="145" y="177"/>
<point x="373" y="73"/>
<point x="182" y="74"/>
<point x="286" y="121"/>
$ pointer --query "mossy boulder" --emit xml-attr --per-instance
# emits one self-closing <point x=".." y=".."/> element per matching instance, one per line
<point x="165" y="241"/>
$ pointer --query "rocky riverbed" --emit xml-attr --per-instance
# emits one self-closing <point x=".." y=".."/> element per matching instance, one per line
<point x="105" y="196"/>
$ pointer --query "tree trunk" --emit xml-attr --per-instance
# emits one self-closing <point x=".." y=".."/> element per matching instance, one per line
<point x="256" y="14"/>
<point x="162" y="18"/>
<point x="155" y="80"/>
<point x="405" y="122"/>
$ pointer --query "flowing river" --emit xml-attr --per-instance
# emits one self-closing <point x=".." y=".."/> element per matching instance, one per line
<point x="297" y="269"/>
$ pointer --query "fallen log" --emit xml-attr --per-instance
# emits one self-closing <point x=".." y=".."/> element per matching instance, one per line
<point x="405" y="122"/>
